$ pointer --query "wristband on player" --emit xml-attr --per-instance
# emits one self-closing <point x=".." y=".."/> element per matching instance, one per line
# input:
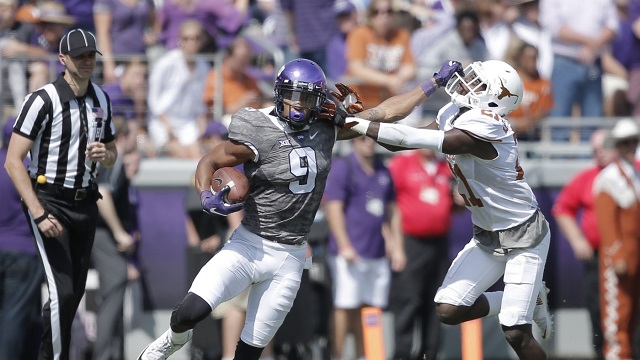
<point x="429" y="87"/>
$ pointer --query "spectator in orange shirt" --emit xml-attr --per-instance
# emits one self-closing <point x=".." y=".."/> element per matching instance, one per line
<point x="537" y="101"/>
<point x="378" y="55"/>
<point x="239" y="89"/>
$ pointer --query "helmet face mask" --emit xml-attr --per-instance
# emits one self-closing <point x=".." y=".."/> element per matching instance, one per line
<point x="470" y="85"/>
<point x="493" y="85"/>
<point x="301" y="85"/>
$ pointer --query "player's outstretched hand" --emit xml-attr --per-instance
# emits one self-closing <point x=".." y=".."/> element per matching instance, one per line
<point x="446" y="72"/>
<point x="333" y="112"/>
<point x="214" y="203"/>
<point x="346" y="95"/>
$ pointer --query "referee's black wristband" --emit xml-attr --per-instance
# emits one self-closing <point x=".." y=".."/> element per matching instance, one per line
<point x="41" y="218"/>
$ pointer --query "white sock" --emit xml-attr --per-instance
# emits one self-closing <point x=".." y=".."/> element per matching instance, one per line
<point x="495" y="302"/>
<point x="178" y="338"/>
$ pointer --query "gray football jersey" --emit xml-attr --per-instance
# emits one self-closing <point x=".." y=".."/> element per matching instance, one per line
<point x="288" y="174"/>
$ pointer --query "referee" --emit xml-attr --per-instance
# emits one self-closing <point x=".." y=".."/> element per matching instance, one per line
<point x="66" y="126"/>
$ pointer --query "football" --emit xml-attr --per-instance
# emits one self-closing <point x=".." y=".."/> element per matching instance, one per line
<point x="235" y="179"/>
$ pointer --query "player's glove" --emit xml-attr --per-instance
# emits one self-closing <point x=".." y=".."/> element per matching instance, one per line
<point x="333" y="112"/>
<point x="214" y="203"/>
<point x="346" y="95"/>
<point x="446" y="72"/>
<point x="442" y="77"/>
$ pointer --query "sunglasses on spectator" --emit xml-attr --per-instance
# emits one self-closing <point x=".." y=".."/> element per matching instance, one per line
<point x="190" y="38"/>
<point x="376" y="12"/>
<point x="627" y="142"/>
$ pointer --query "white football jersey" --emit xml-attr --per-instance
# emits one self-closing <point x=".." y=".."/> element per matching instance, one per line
<point x="494" y="190"/>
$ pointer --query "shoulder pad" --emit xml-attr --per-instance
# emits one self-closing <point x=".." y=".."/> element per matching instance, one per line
<point x="246" y="123"/>
<point x="484" y="125"/>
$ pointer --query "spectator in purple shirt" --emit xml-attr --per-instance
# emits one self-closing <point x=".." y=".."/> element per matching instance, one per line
<point x="311" y="23"/>
<point x="615" y="66"/>
<point x="634" y="57"/>
<point x="123" y="107"/>
<point x="347" y="19"/>
<point x="81" y="11"/>
<point x="21" y="271"/>
<point x="360" y="207"/>
<point x="221" y="19"/>
<point x="123" y="27"/>
<point x="128" y="99"/>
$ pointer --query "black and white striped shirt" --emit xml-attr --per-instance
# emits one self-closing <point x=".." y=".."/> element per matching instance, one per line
<point x="61" y="125"/>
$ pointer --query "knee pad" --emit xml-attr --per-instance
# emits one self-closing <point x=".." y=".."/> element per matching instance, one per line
<point x="189" y="312"/>
<point x="511" y="316"/>
<point x="245" y="351"/>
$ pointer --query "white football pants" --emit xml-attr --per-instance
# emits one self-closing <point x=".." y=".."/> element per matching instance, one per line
<point x="272" y="270"/>
<point x="473" y="271"/>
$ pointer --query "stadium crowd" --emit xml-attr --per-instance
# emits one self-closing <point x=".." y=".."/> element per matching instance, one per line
<point x="176" y="70"/>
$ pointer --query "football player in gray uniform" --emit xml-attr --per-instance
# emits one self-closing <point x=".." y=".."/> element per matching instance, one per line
<point x="287" y="157"/>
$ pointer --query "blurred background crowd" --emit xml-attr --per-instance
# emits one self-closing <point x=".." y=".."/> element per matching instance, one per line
<point x="176" y="70"/>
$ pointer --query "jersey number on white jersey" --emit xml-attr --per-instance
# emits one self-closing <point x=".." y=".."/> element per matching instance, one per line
<point x="471" y="200"/>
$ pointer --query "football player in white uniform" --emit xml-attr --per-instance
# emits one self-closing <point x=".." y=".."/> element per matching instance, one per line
<point x="511" y="236"/>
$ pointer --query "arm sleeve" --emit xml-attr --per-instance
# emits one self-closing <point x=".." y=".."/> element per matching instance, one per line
<point x="410" y="137"/>
<point x="33" y="115"/>
<point x="403" y="135"/>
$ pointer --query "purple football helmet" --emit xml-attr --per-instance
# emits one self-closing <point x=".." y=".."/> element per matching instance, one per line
<point x="302" y="84"/>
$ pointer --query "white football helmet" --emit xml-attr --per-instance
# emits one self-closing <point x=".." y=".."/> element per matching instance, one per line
<point x="492" y="85"/>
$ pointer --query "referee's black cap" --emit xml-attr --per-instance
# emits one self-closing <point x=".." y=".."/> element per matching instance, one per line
<point x="77" y="42"/>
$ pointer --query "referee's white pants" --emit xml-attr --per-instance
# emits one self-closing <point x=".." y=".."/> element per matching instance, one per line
<point x="272" y="270"/>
